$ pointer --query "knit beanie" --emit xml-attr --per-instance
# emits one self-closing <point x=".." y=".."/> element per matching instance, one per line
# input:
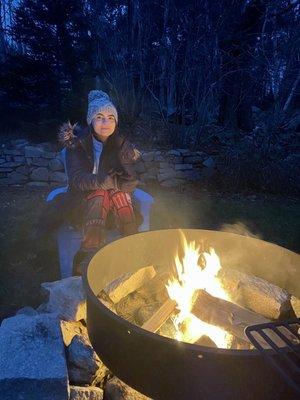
<point x="99" y="101"/>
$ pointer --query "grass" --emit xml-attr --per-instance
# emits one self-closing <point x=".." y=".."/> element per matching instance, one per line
<point x="27" y="260"/>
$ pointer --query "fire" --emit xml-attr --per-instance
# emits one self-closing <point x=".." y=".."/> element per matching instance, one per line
<point x="191" y="276"/>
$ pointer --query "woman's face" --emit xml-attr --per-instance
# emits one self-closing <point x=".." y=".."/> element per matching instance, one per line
<point x="104" y="125"/>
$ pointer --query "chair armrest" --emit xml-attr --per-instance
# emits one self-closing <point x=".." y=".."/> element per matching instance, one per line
<point x="51" y="196"/>
<point x="142" y="197"/>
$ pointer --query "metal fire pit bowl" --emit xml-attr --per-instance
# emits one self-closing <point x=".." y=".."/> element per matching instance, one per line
<point x="163" y="368"/>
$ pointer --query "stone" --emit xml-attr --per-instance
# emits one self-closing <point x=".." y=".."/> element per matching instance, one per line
<point x="71" y="328"/>
<point x="85" y="393"/>
<point x="295" y="302"/>
<point x="27" y="311"/>
<point x="182" y="167"/>
<point x="39" y="161"/>
<point x="32" y="151"/>
<point x="115" y="389"/>
<point x="148" y="157"/>
<point x="23" y="169"/>
<point x="67" y="298"/>
<point x="209" y="162"/>
<point x="40" y="174"/>
<point x="169" y="175"/>
<point x="159" y="157"/>
<point x="84" y="365"/>
<point x="58" y="177"/>
<point x="32" y="359"/>
<point x="178" y="160"/>
<point x="4" y="181"/>
<point x="37" y="184"/>
<point x="56" y="165"/>
<point x="5" y="169"/>
<point x="15" y="178"/>
<point x="49" y="154"/>
<point x="183" y="151"/>
<point x="19" y="142"/>
<point x="192" y="175"/>
<point x="13" y="152"/>
<point x="11" y="164"/>
<point x="164" y="164"/>
<point x="193" y="159"/>
<point x="148" y="176"/>
<point x="173" y="153"/>
<point x="19" y="159"/>
<point x="172" y="182"/>
<point x="2" y="160"/>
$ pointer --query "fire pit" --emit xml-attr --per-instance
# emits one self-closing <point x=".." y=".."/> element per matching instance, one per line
<point x="164" y="368"/>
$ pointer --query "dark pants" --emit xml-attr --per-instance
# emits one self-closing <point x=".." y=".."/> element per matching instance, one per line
<point x="97" y="207"/>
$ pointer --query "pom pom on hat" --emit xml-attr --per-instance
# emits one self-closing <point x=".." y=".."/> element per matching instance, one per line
<point x="99" y="101"/>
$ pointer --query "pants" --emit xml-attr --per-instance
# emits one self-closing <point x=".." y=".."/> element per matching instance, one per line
<point x="98" y="205"/>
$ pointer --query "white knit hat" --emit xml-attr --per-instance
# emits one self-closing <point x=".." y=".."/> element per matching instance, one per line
<point x="99" y="101"/>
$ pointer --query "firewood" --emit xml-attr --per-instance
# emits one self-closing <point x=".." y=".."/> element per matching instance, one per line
<point x="156" y="289"/>
<point x="128" y="283"/>
<point x="255" y="293"/>
<point x="161" y="315"/>
<point x="230" y="317"/>
<point x="296" y="305"/>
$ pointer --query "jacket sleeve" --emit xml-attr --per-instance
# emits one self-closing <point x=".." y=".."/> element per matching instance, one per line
<point x="129" y="158"/>
<point x="83" y="180"/>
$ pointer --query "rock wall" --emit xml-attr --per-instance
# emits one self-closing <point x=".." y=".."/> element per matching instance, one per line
<point x="22" y="163"/>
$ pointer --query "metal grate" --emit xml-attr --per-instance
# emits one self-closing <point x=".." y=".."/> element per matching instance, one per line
<point x="284" y="338"/>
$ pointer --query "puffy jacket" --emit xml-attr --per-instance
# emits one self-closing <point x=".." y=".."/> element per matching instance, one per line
<point x="117" y="164"/>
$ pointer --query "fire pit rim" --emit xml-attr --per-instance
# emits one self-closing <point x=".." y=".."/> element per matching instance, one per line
<point x="154" y="336"/>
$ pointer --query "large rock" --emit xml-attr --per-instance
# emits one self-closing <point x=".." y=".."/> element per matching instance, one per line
<point x="40" y="174"/>
<point x="67" y="298"/>
<point x="115" y="389"/>
<point x="148" y="157"/>
<point x="56" y="165"/>
<point x="15" y="178"/>
<point x="84" y="365"/>
<point x="173" y="182"/>
<point x="58" y="177"/>
<point x="32" y="151"/>
<point x="39" y="161"/>
<point x="85" y="393"/>
<point x="32" y="359"/>
<point x="209" y="162"/>
<point x="170" y="175"/>
<point x="183" y="167"/>
<point x="23" y="169"/>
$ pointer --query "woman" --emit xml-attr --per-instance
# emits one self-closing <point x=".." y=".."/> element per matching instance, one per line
<point x="101" y="173"/>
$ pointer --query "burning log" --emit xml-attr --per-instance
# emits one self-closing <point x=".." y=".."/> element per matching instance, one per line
<point x="229" y="316"/>
<point x="160" y="317"/>
<point x="296" y="305"/>
<point x="255" y="293"/>
<point x="128" y="283"/>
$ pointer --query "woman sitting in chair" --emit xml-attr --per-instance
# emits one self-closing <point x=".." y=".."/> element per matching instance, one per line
<point x="101" y="173"/>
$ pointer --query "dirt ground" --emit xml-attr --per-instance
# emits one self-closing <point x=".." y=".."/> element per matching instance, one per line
<point x="28" y="260"/>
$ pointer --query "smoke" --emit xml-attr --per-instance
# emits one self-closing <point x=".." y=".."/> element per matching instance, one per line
<point x="239" y="228"/>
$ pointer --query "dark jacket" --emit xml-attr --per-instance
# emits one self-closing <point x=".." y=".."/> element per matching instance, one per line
<point x="117" y="164"/>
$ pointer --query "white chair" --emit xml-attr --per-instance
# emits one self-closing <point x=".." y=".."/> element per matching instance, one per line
<point x="69" y="238"/>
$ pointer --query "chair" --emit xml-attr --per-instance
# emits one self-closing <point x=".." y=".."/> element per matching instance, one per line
<point x="69" y="239"/>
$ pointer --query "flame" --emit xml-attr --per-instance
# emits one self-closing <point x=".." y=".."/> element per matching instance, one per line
<point x="191" y="277"/>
